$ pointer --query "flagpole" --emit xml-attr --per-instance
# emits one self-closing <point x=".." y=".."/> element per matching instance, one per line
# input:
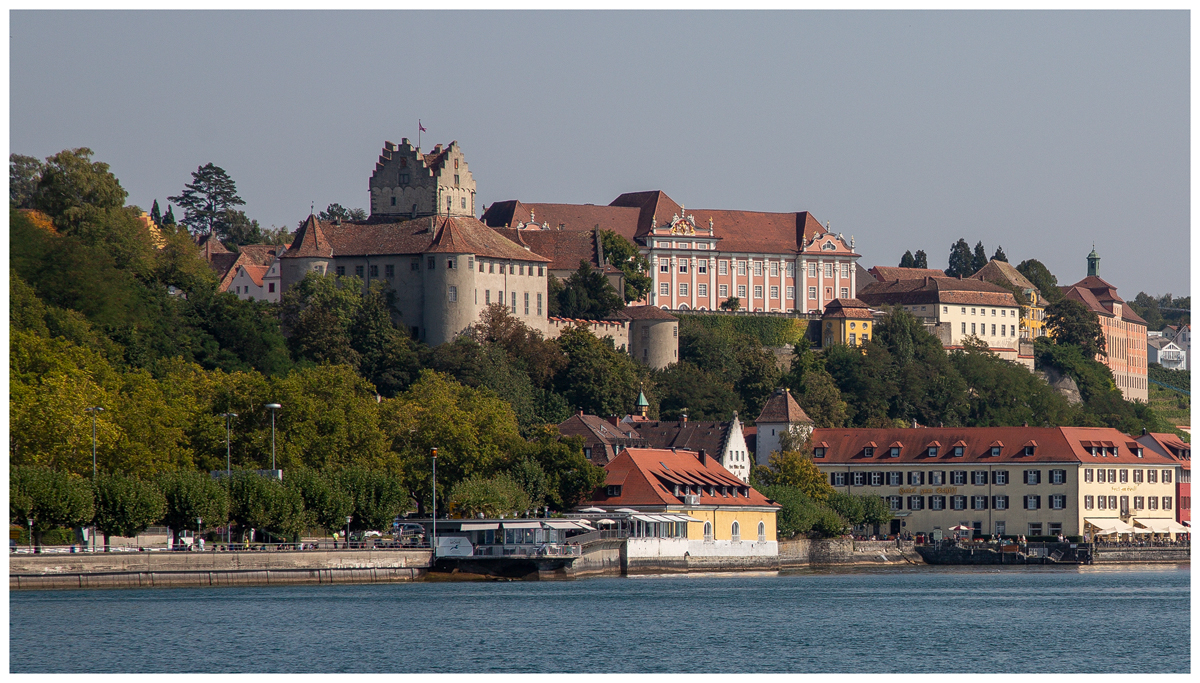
<point x="419" y="129"/>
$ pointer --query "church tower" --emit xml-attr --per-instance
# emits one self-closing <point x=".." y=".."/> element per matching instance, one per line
<point x="1093" y="263"/>
<point x="408" y="183"/>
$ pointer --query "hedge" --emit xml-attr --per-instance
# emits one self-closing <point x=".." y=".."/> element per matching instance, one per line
<point x="769" y="331"/>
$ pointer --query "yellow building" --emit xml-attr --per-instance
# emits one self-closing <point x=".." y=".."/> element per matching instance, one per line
<point x="1033" y="310"/>
<point x="846" y="321"/>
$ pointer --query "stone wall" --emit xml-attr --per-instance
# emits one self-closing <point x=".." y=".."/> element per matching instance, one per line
<point x="185" y="568"/>
<point x="1140" y="555"/>
<point x="803" y="552"/>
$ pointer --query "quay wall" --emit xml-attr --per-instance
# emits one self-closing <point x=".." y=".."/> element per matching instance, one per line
<point x="193" y="569"/>
<point x="1139" y="555"/>
<point x="804" y="552"/>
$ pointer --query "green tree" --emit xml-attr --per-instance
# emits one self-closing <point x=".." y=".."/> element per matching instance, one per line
<point x="50" y="498"/>
<point x="264" y="504"/>
<point x="326" y="505"/>
<point x="206" y="199"/>
<point x="1000" y="255"/>
<point x="979" y="259"/>
<point x="126" y="506"/>
<point x="821" y="400"/>
<point x="700" y="394"/>
<point x="960" y="259"/>
<point x="588" y="294"/>
<point x="792" y="468"/>
<point x="525" y="347"/>
<point x="907" y="260"/>
<point x="532" y="479"/>
<point x="1148" y="308"/>
<point x="377" y="498"/>
<point x="1000" y="393"/>
<point x="597" y="378"/>
<point x="490" y="496"/>
<point x="1042" y="278"/>
<point x="156" y="213"/>
<point x="799" y="514"/>
<point x="235" y="228"/>
<point x="731" y="304"/>
<point x="336" y="211"/>
<point x="1070" y="322"/>
<point x="23" y="176"/>
<point x="920" y="260"/>
<point x="623" y="254"/>
<point x="169" y="218"/>
<point x="190" y="495"/>
<point x="72" y="189"/>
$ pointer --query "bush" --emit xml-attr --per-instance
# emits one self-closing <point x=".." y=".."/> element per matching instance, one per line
<point x="492" y="497"/>
<point x="769" y="331"/>
<point x="800" y="514"/>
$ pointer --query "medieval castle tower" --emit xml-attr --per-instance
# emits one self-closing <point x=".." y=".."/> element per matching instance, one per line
<point x="410" y="184"/>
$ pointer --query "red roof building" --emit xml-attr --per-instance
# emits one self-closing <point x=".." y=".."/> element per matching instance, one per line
<point x="1180" y="451"/>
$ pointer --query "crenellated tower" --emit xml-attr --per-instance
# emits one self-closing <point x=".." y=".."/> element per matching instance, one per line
<point x="408" y="183"/>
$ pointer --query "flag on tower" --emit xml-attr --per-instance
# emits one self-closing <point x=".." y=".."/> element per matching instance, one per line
<point x="420" y="127"/>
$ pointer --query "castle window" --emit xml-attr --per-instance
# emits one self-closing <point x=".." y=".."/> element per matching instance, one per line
<point x="487" y="297"/>
<point x="464" y="202"/>
<point x="374" y="271"/>
<point x="389" y="271"/>
<point x="415" y="265"/>
<point x="393" y="201"/>
<point x="271" y="287"/>
<point x="526" y="303"/>
<point x="541" y="271"/>
<point x="431" y="260"/>
<point x="514" y="302"/>
<point x="403" y="181"/>
<point x="512" y="270"/>
<point x="358" y="271"/>
<point x="453" y="293"/>
<point x="341" y="270"/>
<point x="539" y="303"/>
<point x="491" y="267"/>
<point x="456" y="179"/>
<point x="403" y="162"/>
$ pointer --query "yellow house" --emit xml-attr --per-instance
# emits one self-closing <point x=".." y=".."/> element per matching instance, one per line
<point x="846" y="321"/>
<point x="1033" y="314"/>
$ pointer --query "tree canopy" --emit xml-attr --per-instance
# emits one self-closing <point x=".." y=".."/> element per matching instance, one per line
<point x="624" y="254"/>
<point x="207" y="198"/>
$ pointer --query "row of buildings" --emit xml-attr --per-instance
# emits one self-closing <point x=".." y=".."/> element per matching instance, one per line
<point x="422" y="240"/>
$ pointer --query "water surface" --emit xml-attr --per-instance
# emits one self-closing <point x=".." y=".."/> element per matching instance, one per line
<point x="921" y="619"/>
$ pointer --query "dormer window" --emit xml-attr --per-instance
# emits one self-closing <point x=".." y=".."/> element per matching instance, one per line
<point x="1029" y="450"/>
<point x="895" y="452"/>
<point x="1139" y="452"/>
<point x="932" y="451"/>
<point x="868" y="452"/>
<point x="958" y="451"/>
<point x="613" y="491"/>
<point x="995" y="451"/>
<point x="818" y="452"/>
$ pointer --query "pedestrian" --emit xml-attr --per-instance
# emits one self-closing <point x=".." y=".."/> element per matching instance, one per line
<point x="201" y="544"/>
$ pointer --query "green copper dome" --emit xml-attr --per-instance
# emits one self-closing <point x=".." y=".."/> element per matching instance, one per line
<point x="642" y="400"/>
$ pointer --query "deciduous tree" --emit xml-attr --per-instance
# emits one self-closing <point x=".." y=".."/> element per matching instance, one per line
<point x="1071" y="322"/>
<point x="623" y="254"/>
<point x="190" y="495"/>
<point x="50" y="498"/>
<point x="126" y="506"/>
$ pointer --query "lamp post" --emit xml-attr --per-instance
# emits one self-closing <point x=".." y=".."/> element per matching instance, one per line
<point x="347" y="543"/>
<point x="273" y="407"/>
<point x="93" y="410"/>
<point x="198" y="522"/>
<point x="433" y="544"/>
<point x="228" y="465"/>
<point x="30" y="521"/>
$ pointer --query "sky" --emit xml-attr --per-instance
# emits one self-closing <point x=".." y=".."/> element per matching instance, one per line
<point x="1041" y="132"/>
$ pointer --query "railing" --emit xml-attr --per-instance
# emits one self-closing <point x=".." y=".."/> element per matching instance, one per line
<point x="370" y="544"/>
<point x="545" y="550"/>
<point x="600" y="535"/>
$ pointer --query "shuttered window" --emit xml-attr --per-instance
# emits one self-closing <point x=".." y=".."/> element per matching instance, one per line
<point x="895" y="478"/>
<point x="979" y="477"/>
<point x="877" y="479"/>
<point x="937" y="502"/>
<point x="1000" y="502"/>
<point x="1000" y="477"/>
<point x="937" y="478"/>
<point x="916" y="502"/>
<point x="959" y="502"/>
<point x="1033" y="477"/>
<point x="958" y="477"/>
<point x="979" y="502"/>
<point x="1033" y="502"/>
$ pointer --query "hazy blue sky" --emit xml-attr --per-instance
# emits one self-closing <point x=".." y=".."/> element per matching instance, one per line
<point x="1040" y="131"/>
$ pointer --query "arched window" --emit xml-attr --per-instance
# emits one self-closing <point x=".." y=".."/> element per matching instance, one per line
<point x="762" y="532"/>
<point x="708" y="536"/>
<point x="737" y="532"/>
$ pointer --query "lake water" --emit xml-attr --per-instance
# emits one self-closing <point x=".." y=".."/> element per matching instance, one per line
<point x="1118" y="619"/>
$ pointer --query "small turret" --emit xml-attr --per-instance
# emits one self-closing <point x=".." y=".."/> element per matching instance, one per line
<point x="1093" y="263"/>
<point x="643" y="406"/>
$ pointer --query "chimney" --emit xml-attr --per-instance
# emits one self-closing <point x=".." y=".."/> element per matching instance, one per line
<point x="703" y="457"/>
<point x="683" y="416"/>
<point x="612" y="419"/>
<point x="1144" y="431"/>
<point x="581" y="413"/>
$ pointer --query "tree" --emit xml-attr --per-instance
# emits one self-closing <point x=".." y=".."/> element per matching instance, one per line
<point x="336" y="211"/>
<point x="156" y="213"/>
<point x="1070" y="322"/>
<point x="960" y="259"/>
<point x="800" y="514"/>
<point x="125" y="506"/>
<point x="700" y="394"/>
<point x="731" y="304"/>
<point x="622" y="254"/>
<point x="326" y="505"/>
<point x="588" y="294"/>
<point x="907" y="260"/>
<point x="822" y="401"/>
<point x="73" y="189"/>
<point x="532" y="479"/>
<point x="920" y="260"/>
<point x="1000" y="255"/>
<point x="570" y="477"/>
<point x="190" y="495"/>
<point x="491" y="496"/>
<point x="169" y="219"/>
<point x="257" y="502"/>
<point x="1042" y="278"/>
<point x="793" y="468"/>
<point x="1000" y="393"/>
<point x="206" y="199"/>
<point x="978" y="260"/>
<point x="234" y="228"/>
<point x="377" y="498"/>
<point x="50" y="498"/>
<point x="525" y="346"/>
<point x="597" y="378"/>
<point x="23" y="176"/>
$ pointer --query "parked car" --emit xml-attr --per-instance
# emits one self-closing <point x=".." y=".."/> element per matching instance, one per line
<point x="409" y="533"/>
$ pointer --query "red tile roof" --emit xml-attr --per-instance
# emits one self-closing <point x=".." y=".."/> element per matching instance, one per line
<point x="895" y="273"/>
<point x="936" y="290"/>
<point x="1052" y="444"/>
<point x="647" y="313"/>
<point x="647" y="477"/>
<point x="256" y="273"/>
<point x="603" y="437"/>
<point x="781" y="407"/>
<point x="564" y="248"/>
<point x="847" y="308"/>
<point x="261" y="254"/>
<point x="1001" y="271"/>
<point x="1099" y="296"/>
<point x="416" y="236"/>
<point x="310" y="241"/>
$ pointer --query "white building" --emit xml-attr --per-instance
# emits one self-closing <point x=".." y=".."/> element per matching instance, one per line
<point x="1166" y="353"/>
<point x="780" y="414"/>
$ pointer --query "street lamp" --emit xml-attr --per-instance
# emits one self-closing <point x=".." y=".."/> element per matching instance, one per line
<point x="199" y="521"/>
<point x="273" y="407"/>
<point x="93" y="410"/>
<point x="30" y="534"/>
<point x="347" y="543"/>
<point x="228" y="464"/>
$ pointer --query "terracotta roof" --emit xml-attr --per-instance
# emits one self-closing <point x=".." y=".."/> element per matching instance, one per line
<point x="346" y="238"/>
<point x="939" y="290"/>
<point x="564" y="248"/>
<point x="261" y="254"/>
<point x="1099" y="296"/>
<point x="603" y="437"/>
<point x="256" y="273"/>
<point x="647" y="313"/>
<point x="847" y="308"/>
<point x="310" y="241"/>
<point x="229" y="262"/>
<point x="895" y="273"/>
<point x="632" y="214"/>
<point x="781" y="407"/>
<point x="1001" y="271"/>
<point x="1052" y="444"/>
<point x="647" y="477"/>
<point x="209" y="244"/>
<point x="1168" y="445"/>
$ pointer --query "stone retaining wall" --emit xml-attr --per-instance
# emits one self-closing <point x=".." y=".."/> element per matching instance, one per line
<point x="1138" y="555"/>
<point x="132" y="570"/>
<point x="804" y="552"/>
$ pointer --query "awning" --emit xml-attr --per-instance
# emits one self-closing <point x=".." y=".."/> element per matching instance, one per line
<point x="522" y="525"/>
<point x="1161" y="526"/>
<point x="1109" y="525"/>
<point x="480" y="526"/>
<point x="558" y="524"/>
<point x="645" y="518"/>
<point x="677" y="518"/>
